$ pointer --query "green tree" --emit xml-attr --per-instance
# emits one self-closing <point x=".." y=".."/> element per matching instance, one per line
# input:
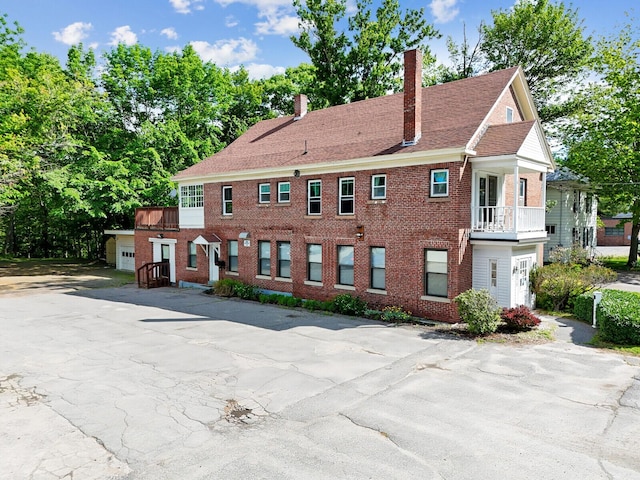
<point x="547" y="40"/>
<point x="364" y="61"/>
<point x="604" y="138"/>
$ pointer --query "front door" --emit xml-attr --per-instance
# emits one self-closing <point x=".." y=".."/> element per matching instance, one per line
<point x="487" y="197"/>
<point x="214" y="270"/>
<point x="523" y="296"/>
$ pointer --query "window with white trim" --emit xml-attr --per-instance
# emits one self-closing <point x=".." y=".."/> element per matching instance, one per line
<point x="264" y="258"/>
<point x="227" y="200"/>
<point x="314" y="262"/>
<point x="284" y="259"/>
<point x="509" y="115"/>
<point x="191" y="196"/>
<point x="436" y="275"/>
<point x="192" y="255"/>
<point x="264" y="192"/>
<point x="440" y="183"/>
<point x="377" y="255"/>
<point x="284" y="192"/>
<point x="345" y="265"/>
<point x="314" y="197"/>
<point x="378" y="187"/>
<point x="346" y="200"/>
<point x="232" y="255"/>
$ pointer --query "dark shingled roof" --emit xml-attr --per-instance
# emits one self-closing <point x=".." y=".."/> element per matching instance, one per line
<point x="451" y="115"/>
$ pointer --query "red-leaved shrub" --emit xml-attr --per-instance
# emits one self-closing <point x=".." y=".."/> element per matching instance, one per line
<point x="519" y="318"/>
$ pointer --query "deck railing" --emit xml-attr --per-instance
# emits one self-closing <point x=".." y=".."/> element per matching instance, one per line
<point x="507" y="219"/>
<point x="157" y="218"/>
<point x="152" y="275"/>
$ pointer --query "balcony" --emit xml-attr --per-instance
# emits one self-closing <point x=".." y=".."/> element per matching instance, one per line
<point x="507" y="223"/>
<point x="157" y="218"/>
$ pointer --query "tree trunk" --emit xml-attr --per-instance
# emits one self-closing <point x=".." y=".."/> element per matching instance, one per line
<point x="635" y="229"/>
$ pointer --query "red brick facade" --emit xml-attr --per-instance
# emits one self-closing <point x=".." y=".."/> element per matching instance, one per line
<point x="406" y="223"/>
<point x="614" y="235"/>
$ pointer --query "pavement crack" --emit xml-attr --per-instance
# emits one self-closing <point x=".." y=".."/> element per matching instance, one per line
<point x="402" y="450"/>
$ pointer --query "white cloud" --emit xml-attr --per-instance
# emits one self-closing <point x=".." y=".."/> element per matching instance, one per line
<point x="73" y="34"/>
<point x="185" y="6"/>
<point x="172" y="49"/>
<point x="258" y="71"/>
<point x="169" y="32"/>
<point x="230" y="21"/>
<point x="123" y="35"/>
<point x="278" y="15"/>
<point x="226" y="52"/>
<point x="444" y="10"/>
<point x="94" y="45"/>
<point x="277" y="24"/>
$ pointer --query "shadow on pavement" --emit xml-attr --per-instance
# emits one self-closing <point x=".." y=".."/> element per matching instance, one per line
<point x="203" y="307"/>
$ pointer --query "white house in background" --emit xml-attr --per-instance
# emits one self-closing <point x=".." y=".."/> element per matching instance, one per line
<point x="573" y="218"/>
<point x="125" y="249"/>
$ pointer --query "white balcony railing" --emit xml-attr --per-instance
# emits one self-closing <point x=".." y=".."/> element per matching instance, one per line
<point x="507" y="219"/>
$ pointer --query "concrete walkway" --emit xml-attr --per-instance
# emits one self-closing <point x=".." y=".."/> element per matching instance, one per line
<point x="164" y="384"/>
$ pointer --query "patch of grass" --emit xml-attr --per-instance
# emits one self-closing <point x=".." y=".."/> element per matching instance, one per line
<point x="618" y="264"/>
<point x="626" y="349"/>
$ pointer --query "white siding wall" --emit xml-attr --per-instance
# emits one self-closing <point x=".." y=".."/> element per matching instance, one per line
<point x="481" y="256"/>
<point x="565" y="220"/>
<point x="532" y="146"/>
<point x="192" y="217"/>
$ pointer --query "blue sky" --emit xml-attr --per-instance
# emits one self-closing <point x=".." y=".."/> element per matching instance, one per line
<point x="254" y="33"/>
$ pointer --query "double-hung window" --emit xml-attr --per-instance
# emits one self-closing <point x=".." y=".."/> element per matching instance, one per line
<point x="192" y="258"/>
<point x="232" y="255"/>
<point x="314" y="262"/>
<point x="284" y="260"/>
<point x="346" y="202"/>
<point x="377" y="255"/>
<point x="227" y="200"/>
<point x="378" y="187"/>
<point x="345" y="265"/>
<point x="440" y="183"/>
<point x="264" y="258"/>
<point x="314" y="197"/>
<point x="264" y="193"/>
<point x="284" y="192"/>
<point x="436" y="275"/>
<point x="191" y="196"/>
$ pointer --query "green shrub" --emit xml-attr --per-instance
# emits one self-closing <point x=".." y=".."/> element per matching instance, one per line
<point x="395" y="314"/>
<point x="312" y="305"/>
<point x="618" y="317"/>
<point x="246" y="291"/>
<point x="225" y="287"/>
<point x="328" y="306"/>
<point x="373" y="314"/>
<point x="479" y="310"/>
<point x="348" y="305"/>
<point x="574" y="255"/>
<point x="557" y="285"/>
<point x="263" y="298"/>
<point x="583" y="307"/>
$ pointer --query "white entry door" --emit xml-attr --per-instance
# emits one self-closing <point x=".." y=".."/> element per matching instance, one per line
<point x="214" y="255"/>
<point x="523" y="295"/>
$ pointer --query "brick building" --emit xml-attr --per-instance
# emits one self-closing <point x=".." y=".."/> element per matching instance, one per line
<point x="407" y="199"/>
<point x="616" y="231"/>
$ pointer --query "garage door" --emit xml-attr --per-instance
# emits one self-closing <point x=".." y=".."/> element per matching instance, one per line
<point x="127" y="258"/>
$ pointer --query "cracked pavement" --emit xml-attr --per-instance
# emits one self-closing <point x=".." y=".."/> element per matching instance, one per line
<point x="136" y="384"/>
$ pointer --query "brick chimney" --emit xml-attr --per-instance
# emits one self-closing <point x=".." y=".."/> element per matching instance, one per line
<point x="412" y="97"/>
<point x="300" y="106"/>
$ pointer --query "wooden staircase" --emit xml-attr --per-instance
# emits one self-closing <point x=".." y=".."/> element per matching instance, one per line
<point x="154" y="275"/>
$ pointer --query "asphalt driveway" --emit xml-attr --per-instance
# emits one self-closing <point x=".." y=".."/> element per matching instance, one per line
<point x="125" y="383"/>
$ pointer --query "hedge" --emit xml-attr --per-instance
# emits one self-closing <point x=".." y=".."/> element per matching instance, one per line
<point x="618" y="317"/>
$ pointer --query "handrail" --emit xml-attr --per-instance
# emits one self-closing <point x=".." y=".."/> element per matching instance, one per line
<point x="157" y="218"/>
<point x="154" y="274"/>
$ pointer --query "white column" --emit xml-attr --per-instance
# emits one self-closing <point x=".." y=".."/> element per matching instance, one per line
<point x="516" y="188"/>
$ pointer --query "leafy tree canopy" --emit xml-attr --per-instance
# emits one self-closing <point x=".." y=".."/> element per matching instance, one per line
<point x="363" y="60"/>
